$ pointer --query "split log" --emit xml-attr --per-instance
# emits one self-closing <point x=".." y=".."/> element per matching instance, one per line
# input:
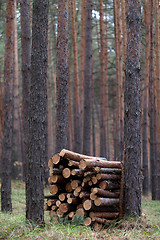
<point x="91" y="163"/>
<point x="87" y="221"/>
<point x="104" y="193"/>
<point x="103" y="176"/>
<point x="76" y="156"/>
<point x="66" y="172"/>
<point x="109" y="215"/>
<point x="108" y="185"/>
<point x="104" y="202"/>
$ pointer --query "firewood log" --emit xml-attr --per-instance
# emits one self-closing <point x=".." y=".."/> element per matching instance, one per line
<point x="77" y="172"/>
<point x="66" y="173"/>
<point x="105" y="193"/>
<point x="54" y="189"/>
<point x="75" y="184"/>
<point x="74" y="164"/>
<point x="91" y="163"/>
<point x="80" y="212"/>
<point x="58" y="203"/>
<point x="87" y="221"/>
<point x="73" y="201"/>
<point x="62" y="196"/>
<point x="57" y="179"/>
<point x="84" y="194"/>
<point x="65" y="207"/>
<point x="108" y="215"/>
<point x="76" y="156"/>
<point x="104" y="202"/>
<point x="108" y="170"/>
<point x="68" y="187"/>
<point x="102" y="220"/>
<point x="55" y="171"/>
<point x="51" y="202"/>
<point x="109" y="185"/>
<point x="103" y="176"/>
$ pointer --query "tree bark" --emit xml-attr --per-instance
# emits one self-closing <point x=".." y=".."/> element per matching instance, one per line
<point x="62" y="77"/>
<point x="87" y="80"/>
<point x="37" y="154"/>
<point x="132" y="130"/>
<point x="6" y="204"/>
<point x="26" y="65"/>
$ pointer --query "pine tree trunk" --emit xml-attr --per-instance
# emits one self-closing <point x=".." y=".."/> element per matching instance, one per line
<point x="37" y="154"/>
<point x="132" y="120"/>
<point x="87" y="80"/>
<point x="152" y="109"/>
<point x="76" y="105"/>
<point x="26" y="65"/>
<point x="62" y="77"/>
<point x="145" y="100"/>
<point x="16" y="152"/>
<point x="102" y="84"/>
<point x="157" y="72"/>
<point x="6" y="204"/>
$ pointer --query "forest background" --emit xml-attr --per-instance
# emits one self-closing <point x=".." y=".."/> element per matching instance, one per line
<point x="107" y="84"/>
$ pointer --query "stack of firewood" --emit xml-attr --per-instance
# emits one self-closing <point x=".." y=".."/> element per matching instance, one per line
<point x="88" y="186"/>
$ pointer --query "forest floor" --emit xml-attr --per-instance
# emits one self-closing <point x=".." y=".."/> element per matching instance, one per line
<point x="14" y="226"/>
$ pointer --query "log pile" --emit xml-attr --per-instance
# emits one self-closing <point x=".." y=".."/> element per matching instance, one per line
<point x="87" y="186"/>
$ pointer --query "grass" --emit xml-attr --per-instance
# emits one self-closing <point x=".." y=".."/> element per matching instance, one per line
<point x="14" y="226"/>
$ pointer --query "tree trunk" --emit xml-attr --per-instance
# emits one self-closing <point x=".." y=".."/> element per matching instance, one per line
<point x="6" y="204"/>
<point x="37" y="154"/>
<point x="102" y="84"/>
<point x="152" y="109"/>
<point x="157" y="72"/>
<point x="145" y="100"/>
<point x="132" y="131"/>
<point x="87" y="80"/>
<point x="62" y="77"/>
<point x="26" y="64"/>
<point x="76" y="105"/>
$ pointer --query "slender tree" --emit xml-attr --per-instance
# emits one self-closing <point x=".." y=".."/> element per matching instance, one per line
<point x="87" y="80"/>
<point x="102" y="84"/>
<point x="62" y="77"/>
<point x="37" y="150"/>
<point x="152" y="109"/>
<point x="26" y="67"/>
<point x="157" y="75"/>
<point x="76" y="106"/>
<point x="146" y="98"/>
<point x="6" y="204"/>
<point x="132" y="119"/>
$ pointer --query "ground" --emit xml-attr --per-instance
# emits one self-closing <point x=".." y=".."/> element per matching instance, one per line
<point x="14" y="226"/>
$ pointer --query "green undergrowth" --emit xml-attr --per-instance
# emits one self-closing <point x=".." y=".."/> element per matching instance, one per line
<point x="15" y="226"/>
